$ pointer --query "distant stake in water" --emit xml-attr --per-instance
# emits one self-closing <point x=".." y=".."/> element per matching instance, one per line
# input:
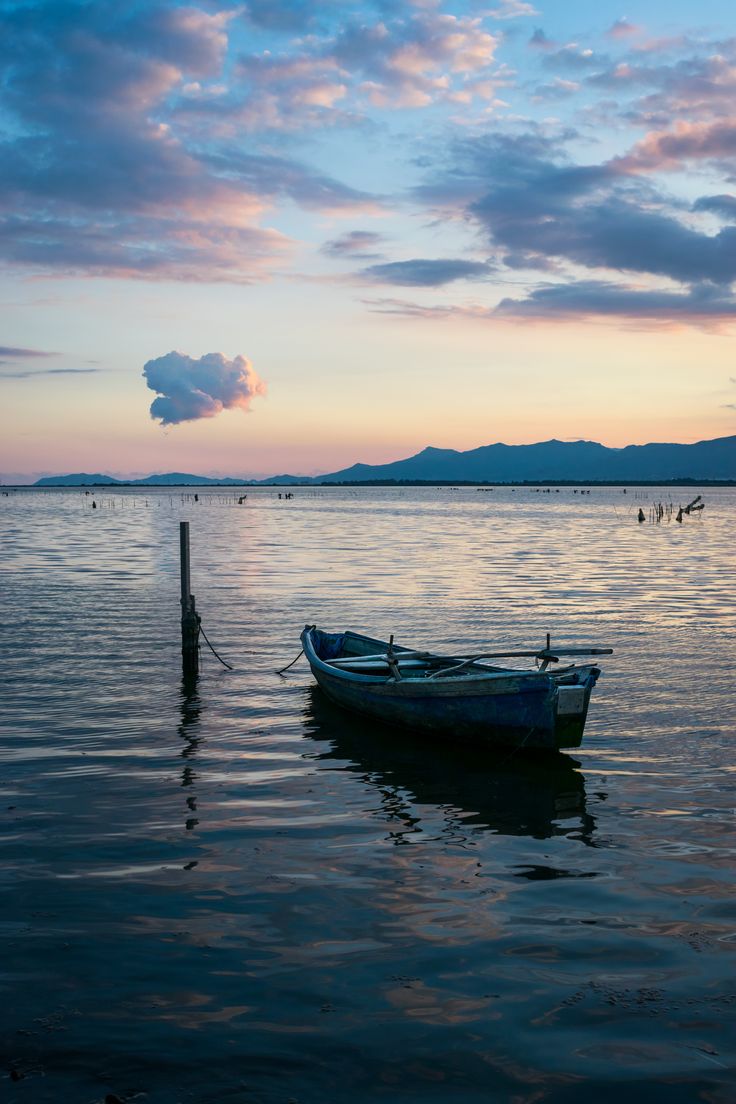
<point x="189" y="617"/>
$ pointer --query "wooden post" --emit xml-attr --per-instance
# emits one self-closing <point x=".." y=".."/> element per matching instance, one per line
<point x="189" y="618"/>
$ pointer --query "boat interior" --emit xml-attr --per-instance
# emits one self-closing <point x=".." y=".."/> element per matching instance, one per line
<point x="353" y="653"/>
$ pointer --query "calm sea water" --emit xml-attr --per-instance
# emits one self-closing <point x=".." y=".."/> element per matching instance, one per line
<point x="241" y="894"/>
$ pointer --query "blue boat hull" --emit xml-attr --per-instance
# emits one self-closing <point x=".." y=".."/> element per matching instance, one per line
<point x="506" y="708"/>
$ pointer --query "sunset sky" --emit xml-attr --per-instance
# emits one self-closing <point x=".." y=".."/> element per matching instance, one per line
<point x="268" y="237"/>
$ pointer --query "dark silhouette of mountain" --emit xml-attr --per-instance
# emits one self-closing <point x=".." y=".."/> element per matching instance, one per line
<point x="81" y="479"/>
<point x="171" y="479"/>
<point x="553" y="460"/>
<point x="287" y="480"/>
<point x="544" y="462"/>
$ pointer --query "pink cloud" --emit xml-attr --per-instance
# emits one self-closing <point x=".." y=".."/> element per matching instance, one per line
<point x="409" y="62"/>
<point x="415" y="62"/>
<point x="96" y="182"/>
<point x="623" y="29"/>
<point x="699" y="85"/>
<point x="684" y="142"/>
<point x="190" y="389"/>
<point x="513" y="9"/>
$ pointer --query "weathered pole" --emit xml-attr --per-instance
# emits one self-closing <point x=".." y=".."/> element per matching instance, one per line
<point x="189" y="618"/>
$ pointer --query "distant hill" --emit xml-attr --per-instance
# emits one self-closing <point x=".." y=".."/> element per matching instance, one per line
<point x="81" y="479"/>
<point x="544" y="462"/>
<point x="287" y="480"/>
<point x="174" y="479"/>
<point x="171" y="479"/>
<point x="553" y="460"/>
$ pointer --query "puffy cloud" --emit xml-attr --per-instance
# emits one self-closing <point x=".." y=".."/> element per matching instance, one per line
<point x="191" y="388"/>
<point x="685" y="142"/>
<point x="426" y="43"/>
<point x="421" y="272"/>
<point x="282" y="92"/>
<point x="671" y="84"/>
<point x="416" y="61"/>
<point x="348" y="64"/>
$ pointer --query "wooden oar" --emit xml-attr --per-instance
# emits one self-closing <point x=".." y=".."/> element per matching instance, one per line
<point x="474" y="659"/>
<point x="576" y="651"/>
<point x="381" y="655"/>
<point x="545" y="654"/>
<point x="538" y="653"/>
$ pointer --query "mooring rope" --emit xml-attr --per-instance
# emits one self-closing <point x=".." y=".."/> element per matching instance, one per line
<point x="288" y="665"/>
<point x="222" y="661"/>
<point x="517" y="748"/>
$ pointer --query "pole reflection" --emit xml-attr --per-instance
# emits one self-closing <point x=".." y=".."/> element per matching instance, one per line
<point x="190" y="707"/>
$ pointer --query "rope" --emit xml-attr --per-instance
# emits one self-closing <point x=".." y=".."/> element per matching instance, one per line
<point x="288" y="665"/>
<point x="222" y="661"/>
<point x="514" y="751"/>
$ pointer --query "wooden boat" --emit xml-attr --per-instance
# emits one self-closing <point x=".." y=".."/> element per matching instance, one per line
<point x="462" y="697"/>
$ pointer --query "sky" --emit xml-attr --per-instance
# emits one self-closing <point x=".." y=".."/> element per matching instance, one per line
<point x="290" y="235"/>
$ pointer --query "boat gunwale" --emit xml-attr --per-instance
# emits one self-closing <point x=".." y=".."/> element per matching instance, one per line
<point x="470" y="680"/>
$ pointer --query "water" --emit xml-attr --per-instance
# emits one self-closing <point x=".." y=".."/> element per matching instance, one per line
<point x="242" y="894"/>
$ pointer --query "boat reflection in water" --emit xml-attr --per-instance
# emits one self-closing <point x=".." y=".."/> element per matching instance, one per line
<point x="516" y="795"/>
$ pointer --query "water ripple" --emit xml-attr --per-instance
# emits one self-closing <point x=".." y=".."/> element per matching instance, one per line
<point x="234" y="891"/>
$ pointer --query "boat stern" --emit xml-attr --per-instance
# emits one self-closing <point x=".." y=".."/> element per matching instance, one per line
<point x="571" y="707"/>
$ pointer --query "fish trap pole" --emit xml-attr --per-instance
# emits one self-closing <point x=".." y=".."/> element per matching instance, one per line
<point x="189" y="616"/>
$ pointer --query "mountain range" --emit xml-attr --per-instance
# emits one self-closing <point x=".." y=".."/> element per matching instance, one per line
<point x="544" y="462"/>
<point x="170" y="479"/>
<point x="549" y="461"/>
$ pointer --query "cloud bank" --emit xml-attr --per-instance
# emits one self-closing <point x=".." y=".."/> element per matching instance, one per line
<point x="190" y="389"/>
<point x="117" y="155"/>
<point x="172" y="140"/>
